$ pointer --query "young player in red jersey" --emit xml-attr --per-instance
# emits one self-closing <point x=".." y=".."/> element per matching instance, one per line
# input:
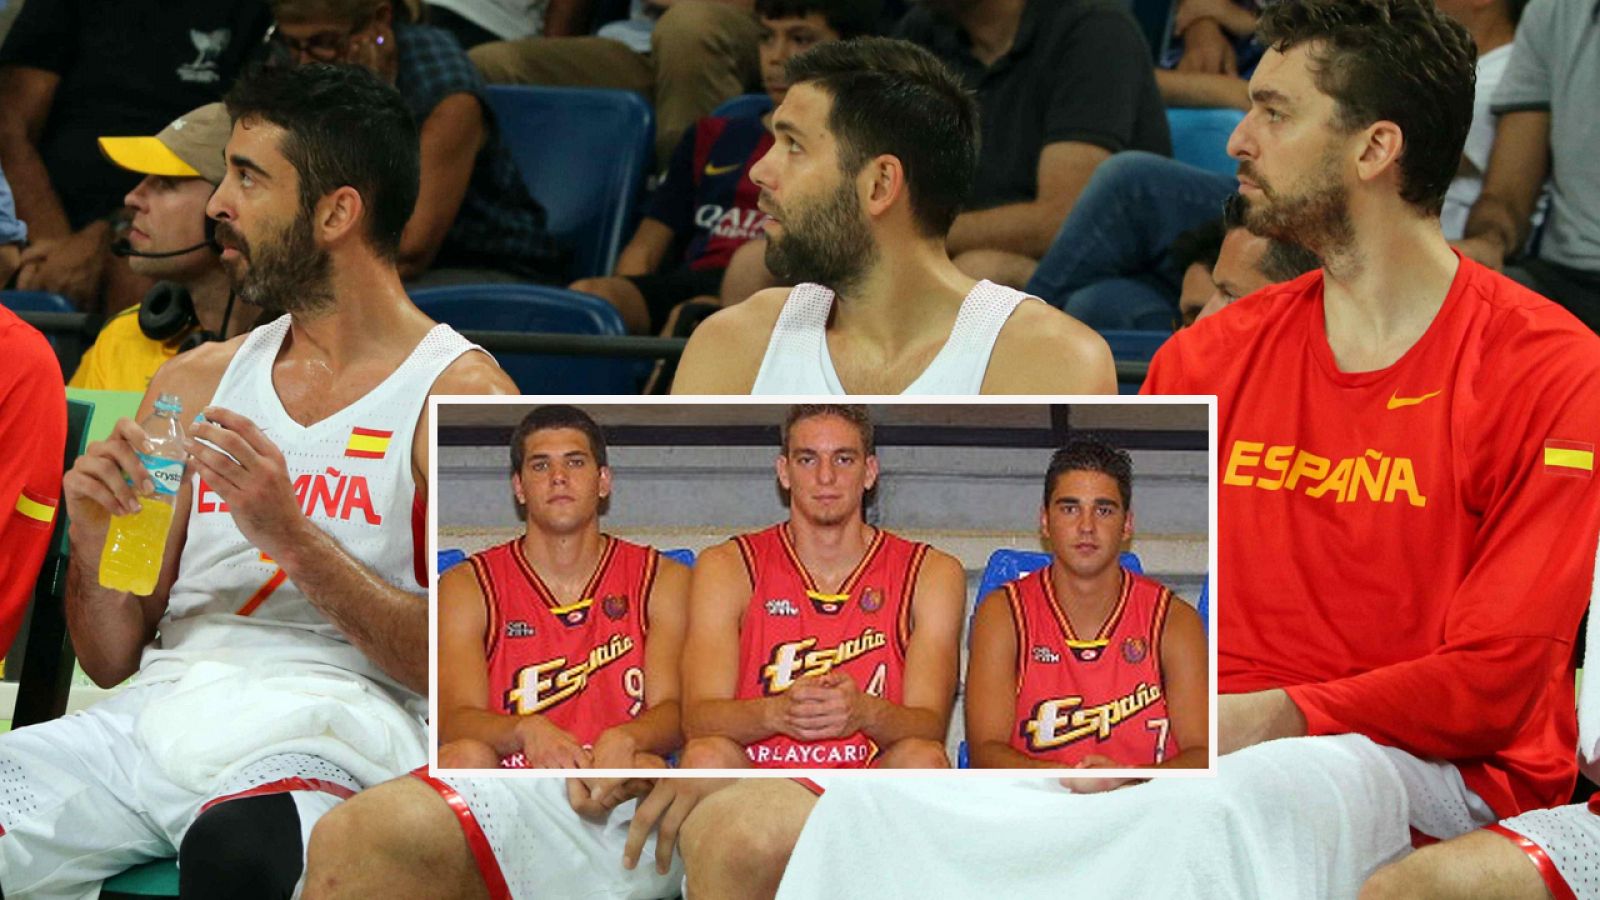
<point x="1408" y="519"/>
<point x="1084" y="663"/>
<point x="558" y="649"/>
<point x="543" y="653"/>
<point x="822" y="642"/>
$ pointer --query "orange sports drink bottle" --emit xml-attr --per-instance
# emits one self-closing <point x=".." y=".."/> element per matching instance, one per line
<point x="136" y="543"/>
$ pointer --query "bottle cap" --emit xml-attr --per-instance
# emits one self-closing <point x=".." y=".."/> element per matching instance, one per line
<point x="169" y="403"/>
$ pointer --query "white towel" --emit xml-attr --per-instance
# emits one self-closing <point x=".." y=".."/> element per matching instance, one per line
<point x="218" y="717"/>
<point x="1307" y="818"/>
<point x="1589" y="700"/>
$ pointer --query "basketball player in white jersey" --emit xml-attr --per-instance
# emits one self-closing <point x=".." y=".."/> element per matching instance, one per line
<point x="282" y="655"/>
<point x="876" y="146"/>
<point x="562" y="589"/>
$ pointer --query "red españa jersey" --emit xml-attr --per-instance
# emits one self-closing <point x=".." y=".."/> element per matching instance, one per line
<point x="580" y="665"/>
<point x="1408" y="551"/>
<point x="791" y="630"/>
<point x="1101" y="693"/>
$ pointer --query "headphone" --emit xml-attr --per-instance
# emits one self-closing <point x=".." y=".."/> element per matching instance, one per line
<point x="168" y="309"/>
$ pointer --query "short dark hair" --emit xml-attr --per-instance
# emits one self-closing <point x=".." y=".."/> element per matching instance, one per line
<point x="854" y="413"/>
<point x="1090" y="453"/>
<point x="850" y="18"/>
<point x="1200" y="245"/>
<point x="344" y="127"/>
<point x="1401" y="61"/>
<point x="893" y="97"/>
<point x="545" y="418"/>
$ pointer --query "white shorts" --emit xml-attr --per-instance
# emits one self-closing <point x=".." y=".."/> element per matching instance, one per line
<point x="1563" y="843"/>
<point x="528" y="843"/>
<point x="1308" y="817"/>
<point x="80" y="799"/>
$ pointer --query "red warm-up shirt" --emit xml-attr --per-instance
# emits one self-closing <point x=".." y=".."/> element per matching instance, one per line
<point x="1408" y="551"/>
<point x="33" y="435"/>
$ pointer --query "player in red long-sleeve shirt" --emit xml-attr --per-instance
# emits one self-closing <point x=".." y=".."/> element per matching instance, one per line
<point x="1408" y="519"/>
<point x="33" y="430"/>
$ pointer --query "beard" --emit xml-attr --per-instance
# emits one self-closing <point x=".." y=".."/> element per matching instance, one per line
<point x="1316" y="218"/>
<point x="827" y="242"/>
<point x="288" y="273"/>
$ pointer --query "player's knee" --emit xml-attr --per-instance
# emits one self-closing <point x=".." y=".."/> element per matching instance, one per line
<point x="468" y="754"/>
<point x="713" y="752"/>
<point x="599" y="287"/>
<point x="1406" y="878"/>
<point x="337" y="837"/>
<point x="742" y="834"/>
<point x="244" y="848"/>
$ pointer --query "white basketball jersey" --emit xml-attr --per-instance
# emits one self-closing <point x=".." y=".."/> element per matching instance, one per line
<point x="352" y="476"/>
<point x="798" y="362"/>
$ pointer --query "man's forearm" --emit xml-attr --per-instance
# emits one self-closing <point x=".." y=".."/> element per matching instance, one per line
<point x="35" y="197"/>
<point x="498" y="730"/>
<point x="108" y="628"/>
<point x="386" y="623"/>
<point x="741" y="721"/>
<point x="888" y="723"/>
<point x="1494" y="218"/>
<point x="656" y="730"/>
<point x="1022" y="228"/>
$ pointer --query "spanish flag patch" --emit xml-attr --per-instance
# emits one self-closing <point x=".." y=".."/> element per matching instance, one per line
<point x="368" y="443"/>
<point x="1574" y="458"/>
<point x="36" y="508"/>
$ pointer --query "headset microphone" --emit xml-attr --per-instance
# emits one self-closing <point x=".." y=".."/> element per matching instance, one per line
<point x="122" y="247"/>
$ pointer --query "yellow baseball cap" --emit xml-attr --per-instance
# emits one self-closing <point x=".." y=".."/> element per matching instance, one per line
<point x="190" y="147"/>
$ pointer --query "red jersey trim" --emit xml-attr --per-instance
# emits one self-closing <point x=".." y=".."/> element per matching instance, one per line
<point x="850" y="580"/>
<point x="748" y="554"/>
<point x="544" y="593"/>
<point x="284" y="786"/>
<point x="1019" y="627"/>
<point x="491" y="604"/>
<point x="806" y="783"/>
<point x="647" y="584"/>
<point x="494" y="881"/>
<point x="1158" y="627"/>
<point x="263" y="592"/>
<point x="1060" y="613"/>
<point x="1559" y="889"/>
<point x="908" y="591"/>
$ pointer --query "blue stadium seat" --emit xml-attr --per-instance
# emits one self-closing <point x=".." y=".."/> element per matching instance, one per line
<point x="451" y="557"/>
<point x="533" y="308"/>
<point x="1006" y="565"/>
<point x="68" y="347"/>
<point x="744" y="106"/>
<point x="584" y="154"/>
<point x="1134" y="346"/>
<point x="681" y="554"/>
<point x="36" y="301"/>
<point x="1200" y="137"/>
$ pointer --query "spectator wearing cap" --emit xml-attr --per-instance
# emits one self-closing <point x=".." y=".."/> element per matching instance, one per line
<point x="169" y="240"/>
<point x="474" y="220"/>
<point x="72" y="70"/>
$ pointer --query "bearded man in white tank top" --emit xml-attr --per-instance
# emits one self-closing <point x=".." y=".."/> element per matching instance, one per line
<point x="876" y="146"/>
<point x="281" y="660"/>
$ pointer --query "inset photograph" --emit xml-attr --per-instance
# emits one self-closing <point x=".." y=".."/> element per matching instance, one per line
<point x="676" y="587"/>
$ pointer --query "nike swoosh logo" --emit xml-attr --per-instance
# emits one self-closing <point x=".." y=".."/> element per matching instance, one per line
<point x="1395" y="402"/>
<point x="714" y="171"/>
